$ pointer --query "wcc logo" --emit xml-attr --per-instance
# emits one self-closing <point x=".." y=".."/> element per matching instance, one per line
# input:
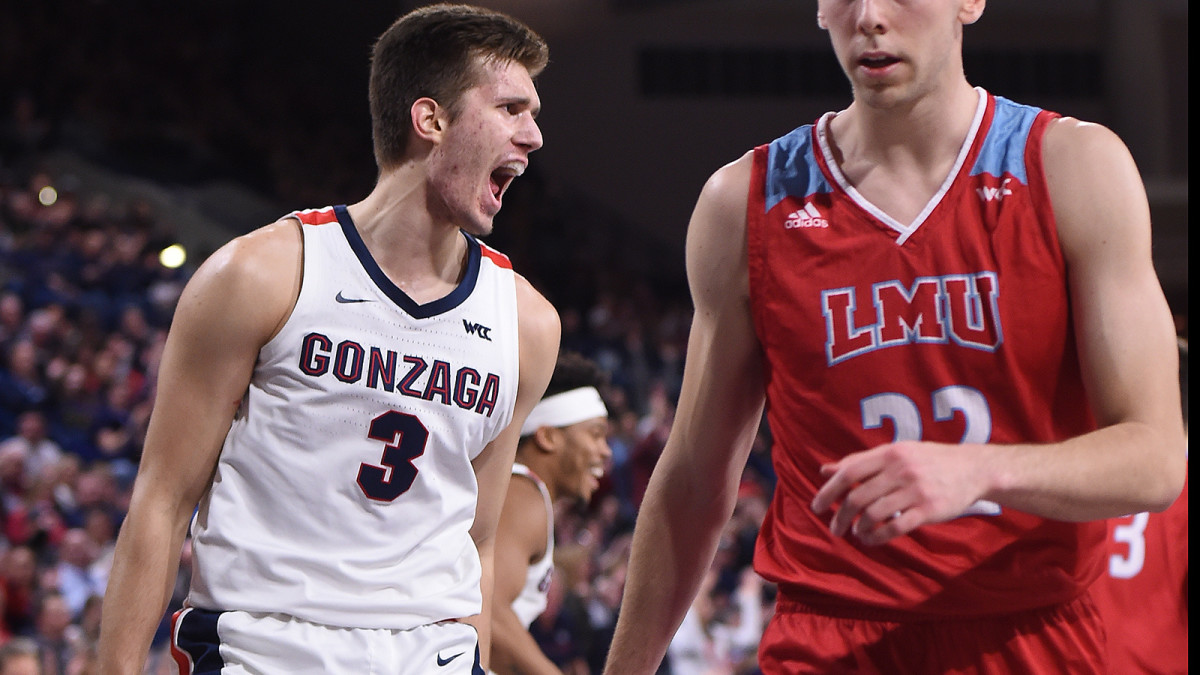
<point x="481" y="330"/>
<point x="990" y="194"/>
<point x="959" y="309"/>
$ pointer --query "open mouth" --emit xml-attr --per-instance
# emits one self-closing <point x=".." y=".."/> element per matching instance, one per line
<point x="503" y="176"/>
<point x="877" y="61"/>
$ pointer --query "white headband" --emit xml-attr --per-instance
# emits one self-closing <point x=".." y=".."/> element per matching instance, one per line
<point x="565" y="409"/>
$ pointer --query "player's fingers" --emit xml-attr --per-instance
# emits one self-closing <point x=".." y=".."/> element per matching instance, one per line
<point x="832" y="490"/>
<point x="886" y="519"/>
<point x="863" y="501"/>
<point x="841" y="476"/>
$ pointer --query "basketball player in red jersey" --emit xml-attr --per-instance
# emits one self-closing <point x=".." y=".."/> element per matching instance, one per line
<point x="946" y="302"/>
<point x="1143" y="595"/>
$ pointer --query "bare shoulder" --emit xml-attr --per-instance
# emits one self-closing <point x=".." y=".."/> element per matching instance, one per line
<point x="540" y="330"/>
<point x="1095" y="188"/>
<point x="539" y="322"/>
<point x="255" y="256"/>
<point x="255" y="277"/>
<point x="525" y="497"/>
<point x="728" y="188"/>
<point x="716" y="239"/>
<point x="1074" y="146"/>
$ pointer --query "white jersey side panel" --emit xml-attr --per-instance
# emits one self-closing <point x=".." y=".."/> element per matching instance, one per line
<point x="534" y="595"/>
<point x="344" y="493"/>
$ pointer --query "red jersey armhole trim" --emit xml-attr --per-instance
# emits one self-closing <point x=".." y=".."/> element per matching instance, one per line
<point x="495" y="256"/>
<point x="1039" y="189"/>
<point x="315" y="216"/>
<point x="756" y="221"/>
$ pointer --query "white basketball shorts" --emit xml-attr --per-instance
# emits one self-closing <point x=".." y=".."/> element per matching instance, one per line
<point x="206" y="642"/>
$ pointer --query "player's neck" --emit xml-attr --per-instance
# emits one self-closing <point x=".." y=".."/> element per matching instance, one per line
<point x="898" y="157"/>
<point x="927" y="131"/>
<point x="422" y="256"/>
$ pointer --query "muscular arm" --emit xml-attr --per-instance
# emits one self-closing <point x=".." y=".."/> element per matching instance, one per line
<point x="232" y="305"/>
<point x="520" y="541"/>
<point x="1136" y="460"/>
<point x="693" y="489"/>
<point x="539" y="331"/>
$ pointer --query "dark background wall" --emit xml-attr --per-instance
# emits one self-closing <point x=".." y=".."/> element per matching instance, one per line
<point x="230" y="113"/>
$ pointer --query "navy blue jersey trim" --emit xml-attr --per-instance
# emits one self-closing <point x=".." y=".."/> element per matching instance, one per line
<point x="477" y="669"/>
<point x="455" y="298"/>
<point x="197" y="637"/>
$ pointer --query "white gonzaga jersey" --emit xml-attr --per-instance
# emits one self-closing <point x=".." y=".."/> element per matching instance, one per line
<point x="533" y="598"/>
<point x="344" y="493"/>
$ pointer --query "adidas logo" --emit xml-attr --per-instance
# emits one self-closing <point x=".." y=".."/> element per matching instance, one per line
<point x="808" y="216"/>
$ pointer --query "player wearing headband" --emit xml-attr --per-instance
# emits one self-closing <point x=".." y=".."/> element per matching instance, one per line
<point x="562" y="453"/>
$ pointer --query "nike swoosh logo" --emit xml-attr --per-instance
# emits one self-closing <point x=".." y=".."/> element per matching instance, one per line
<point x="442" y="662"/>
<point x="343" y="299"/>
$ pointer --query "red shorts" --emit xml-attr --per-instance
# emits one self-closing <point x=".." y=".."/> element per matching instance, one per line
<point x="1058" y="640"/>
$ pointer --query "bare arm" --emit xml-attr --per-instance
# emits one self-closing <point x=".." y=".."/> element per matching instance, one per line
<point x="233" y="304"/>
<point x="520" y="541"/>
<point x="1136" y="460"/>
<point x="539" y="334"/>
<point x="693" y="489"/>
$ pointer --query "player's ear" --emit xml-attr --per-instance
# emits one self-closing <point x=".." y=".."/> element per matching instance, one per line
<point x="549" y="439"/>
<point x="427" y="119"/>
<point x="970" y="11"/>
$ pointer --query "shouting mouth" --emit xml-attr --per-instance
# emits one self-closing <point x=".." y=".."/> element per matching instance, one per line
<point x="503" y="176"/>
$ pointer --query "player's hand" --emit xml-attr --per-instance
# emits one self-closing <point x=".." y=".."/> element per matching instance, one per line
<point x="890" y="490"/>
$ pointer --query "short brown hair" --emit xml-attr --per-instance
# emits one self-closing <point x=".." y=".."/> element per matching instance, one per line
<point x="431" y="52"/>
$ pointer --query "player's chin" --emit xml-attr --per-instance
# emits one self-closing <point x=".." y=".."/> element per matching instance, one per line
<point x="479" y="227"/>
<point x="589" y="488"/>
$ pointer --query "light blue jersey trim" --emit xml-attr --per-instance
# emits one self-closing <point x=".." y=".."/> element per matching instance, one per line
<point x="1003" y="150"/>
<point x="791" y="169"/>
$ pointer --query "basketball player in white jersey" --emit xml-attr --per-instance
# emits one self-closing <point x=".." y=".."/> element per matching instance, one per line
<point x="342" y="393"/>
<point x="562" y="454"/>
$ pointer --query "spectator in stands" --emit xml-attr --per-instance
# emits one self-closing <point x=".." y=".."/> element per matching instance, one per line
<point x="19" y="577"/>
<point x="22" y="386"/>
<point x="55" y="635"/>
<point x="19" y="656"/>
<point x="40" y="451"/>
<point x="76" y="578"/>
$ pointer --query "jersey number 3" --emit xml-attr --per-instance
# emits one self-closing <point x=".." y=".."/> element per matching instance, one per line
<point x="1133" y="534"/>
<point x="405" y="438"/>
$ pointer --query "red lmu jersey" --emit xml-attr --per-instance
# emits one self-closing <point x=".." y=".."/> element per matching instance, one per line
<point x="953" y="328"/>
<point x="1144" y="596"/>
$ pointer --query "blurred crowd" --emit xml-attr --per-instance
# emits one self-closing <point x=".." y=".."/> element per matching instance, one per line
<point x="85" y="303"/>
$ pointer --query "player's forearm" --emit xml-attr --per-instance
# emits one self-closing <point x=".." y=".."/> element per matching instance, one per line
<point x="143" y="572"/>
<point x="1120" y="469"/>
<point x="676" y="536"/>
<point x="514" y="651"/>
